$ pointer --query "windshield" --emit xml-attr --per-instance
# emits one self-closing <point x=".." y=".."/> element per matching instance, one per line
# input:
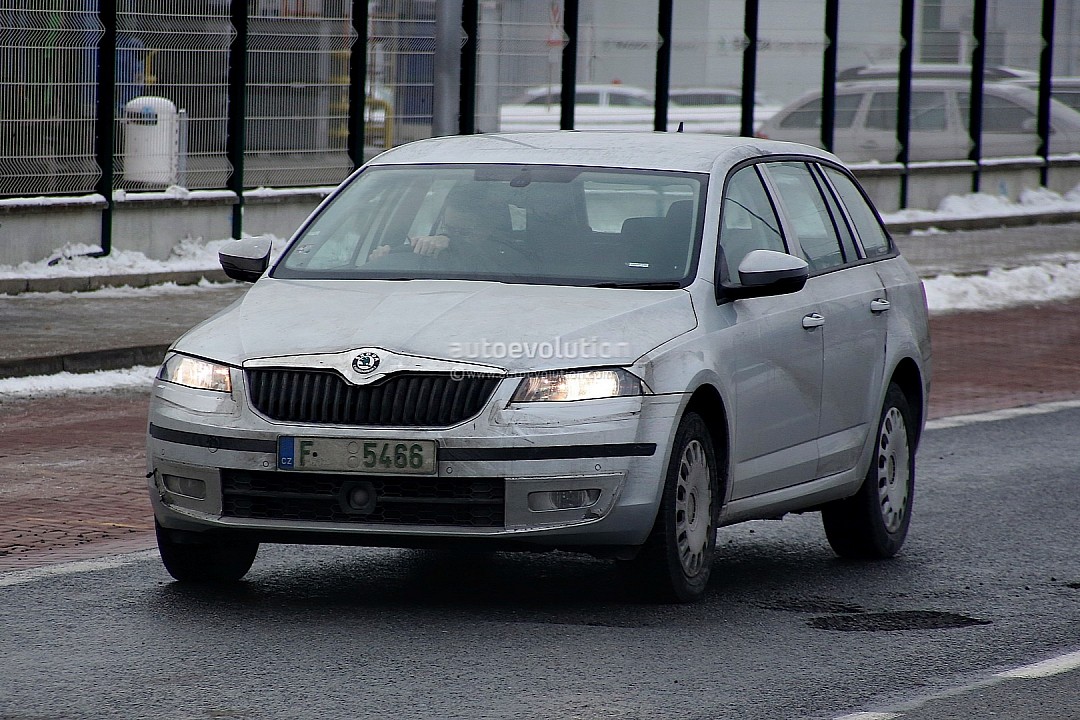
<point x="508" y="223"/>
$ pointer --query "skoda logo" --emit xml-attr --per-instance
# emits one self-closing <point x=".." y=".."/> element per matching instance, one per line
<point x="365" y="363"/>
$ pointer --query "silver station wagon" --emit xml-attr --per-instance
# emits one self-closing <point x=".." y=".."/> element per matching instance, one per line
<point x="612" y="343"/>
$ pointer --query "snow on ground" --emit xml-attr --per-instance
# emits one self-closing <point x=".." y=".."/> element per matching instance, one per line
<point x="977" y="205"/>
<point x="65" y="382"/>
<point x="1003" y="288"/>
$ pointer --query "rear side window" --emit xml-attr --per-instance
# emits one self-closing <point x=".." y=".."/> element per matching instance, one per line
<point x="808" y="115"/>
<point x="928" y="111"/>
<point x="627" y="100"/>
<point x="999" y="114"/>
<point x="875" y="240"/>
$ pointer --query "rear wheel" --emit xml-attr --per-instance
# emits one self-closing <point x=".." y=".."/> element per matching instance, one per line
<point x="874" y="522"/>
<point x="675" y="562"/>
<point x="192" y="559"/>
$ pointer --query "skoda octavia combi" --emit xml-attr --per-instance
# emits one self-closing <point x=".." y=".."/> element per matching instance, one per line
<point x="613" y="343"/>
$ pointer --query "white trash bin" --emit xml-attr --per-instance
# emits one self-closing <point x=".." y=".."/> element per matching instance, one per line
<point x="151" y="141"/>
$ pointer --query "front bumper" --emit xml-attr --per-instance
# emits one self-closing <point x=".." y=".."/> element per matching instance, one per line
<point x="212" y="465"/>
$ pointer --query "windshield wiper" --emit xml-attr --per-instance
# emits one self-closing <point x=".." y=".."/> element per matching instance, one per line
<point x="665" y="285"/>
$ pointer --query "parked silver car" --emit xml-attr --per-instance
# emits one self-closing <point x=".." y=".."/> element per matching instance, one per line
<point x="609" y="342"/>
<point x="865" y="121"/>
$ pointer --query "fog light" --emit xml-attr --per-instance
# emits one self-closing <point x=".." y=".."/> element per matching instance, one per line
<point x="188" y="487"/>
<point x="562" y="499"/>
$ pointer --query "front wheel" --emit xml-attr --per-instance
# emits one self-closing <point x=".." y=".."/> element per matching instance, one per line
<point x="874" y="522"/>
<point x="675" y="562"/>
<point x="200" y="560"/>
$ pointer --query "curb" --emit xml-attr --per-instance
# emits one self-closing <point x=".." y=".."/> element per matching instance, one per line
<point x="84" y="362"/>
<point x="984" y="223"/>
<point x="15" y="286"/>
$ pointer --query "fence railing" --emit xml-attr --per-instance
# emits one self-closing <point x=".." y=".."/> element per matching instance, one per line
<point x="101" y="95"/>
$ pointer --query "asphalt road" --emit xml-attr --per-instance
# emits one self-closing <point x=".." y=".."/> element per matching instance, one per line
<point x="989" y="580"/>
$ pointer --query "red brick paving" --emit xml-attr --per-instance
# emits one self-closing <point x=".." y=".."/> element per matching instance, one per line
<point x="72" y="478"/>
<point x="72" y="468"/>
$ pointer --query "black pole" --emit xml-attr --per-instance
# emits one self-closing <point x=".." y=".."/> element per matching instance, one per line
<point x="237" y="107"/>
<point x="358" y="85"/>
<point x="105" y="140"/>
<point x="828" y="73"/>
<point x="903" y="110"/>
<point x="470" y="22"/>
<point x="1046" y="69"/>
<point x="749" y="67"/>
<point x="978" y="73"/>
<point x="569" y="65"/>
<point x="663" y="64"/>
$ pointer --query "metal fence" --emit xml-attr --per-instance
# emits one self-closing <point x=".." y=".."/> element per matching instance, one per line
<point x="99" y="95"/>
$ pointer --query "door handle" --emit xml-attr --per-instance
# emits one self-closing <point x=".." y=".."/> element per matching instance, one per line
<point x="813" y="320"/>
<point x="879" y="305"/>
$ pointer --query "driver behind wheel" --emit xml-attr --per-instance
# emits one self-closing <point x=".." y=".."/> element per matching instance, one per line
<point x="472" y="225"/>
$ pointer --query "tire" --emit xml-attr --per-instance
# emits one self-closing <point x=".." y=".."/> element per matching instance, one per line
<point x="675" y="563"/>
<point x="203" y="560"/>
<point x="873" y="523"/>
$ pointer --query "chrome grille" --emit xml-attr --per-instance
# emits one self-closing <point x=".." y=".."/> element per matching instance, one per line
<point x="404" y="400"/>
<point x="399" y="500"/>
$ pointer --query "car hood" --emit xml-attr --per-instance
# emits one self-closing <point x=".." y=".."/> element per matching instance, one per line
<point x="518" y="328"/>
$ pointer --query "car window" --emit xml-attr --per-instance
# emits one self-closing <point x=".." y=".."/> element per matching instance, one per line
<point x="928" y="111"/>
<point x="1069" y="97"/>
<point x="535" y="224"/>
<point x="809" y="216"/>
<point x="621" y="100"/>
<point x="999" y="114"/>
<point x="808" y="115"/>
<point x="545" y="99"/>
<point x="847" y="236"/>
<point x="695" y="99"/>
<point x="747" y="222"/>
<point x="587" y="98"/>
<point x="875" y="241"/>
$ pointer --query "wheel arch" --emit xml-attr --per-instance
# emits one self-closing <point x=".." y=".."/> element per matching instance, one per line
<point x="908" y="377"/>
<point x="707" y="402"/>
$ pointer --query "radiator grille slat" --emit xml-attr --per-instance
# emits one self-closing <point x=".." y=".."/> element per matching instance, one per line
<point x="403" y="400"/>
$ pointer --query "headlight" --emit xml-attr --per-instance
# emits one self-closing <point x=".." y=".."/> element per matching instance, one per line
<point x="195" y="373"/>
<point x="577" y="385"/>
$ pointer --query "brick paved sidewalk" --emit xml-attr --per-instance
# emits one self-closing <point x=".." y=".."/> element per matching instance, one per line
<point x="72" y="468"/>
<point x="72" y="478"/>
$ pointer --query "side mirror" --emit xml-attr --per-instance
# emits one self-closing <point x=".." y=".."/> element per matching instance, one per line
<point x="764" y="273"/>
<point x="245" y="260"/>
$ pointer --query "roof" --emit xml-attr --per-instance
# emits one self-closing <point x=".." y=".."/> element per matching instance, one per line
<point x="690" y="152"/>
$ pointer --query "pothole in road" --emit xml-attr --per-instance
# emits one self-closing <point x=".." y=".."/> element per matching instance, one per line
<point x="896" y="620"/>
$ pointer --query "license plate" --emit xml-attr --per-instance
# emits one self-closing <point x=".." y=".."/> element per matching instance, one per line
<point x="368" y="456"/>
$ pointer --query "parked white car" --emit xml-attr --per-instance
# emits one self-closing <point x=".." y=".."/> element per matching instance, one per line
<point x="603" y="342"/>
<point x="865" y="121"/>
<point x="624" y="107"/>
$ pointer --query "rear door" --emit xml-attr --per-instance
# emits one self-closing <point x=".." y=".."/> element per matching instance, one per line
<point x="930" y="137"/>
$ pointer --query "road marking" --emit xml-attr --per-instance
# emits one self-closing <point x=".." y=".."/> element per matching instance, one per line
<point x="995" y="415"/>
<point x="22" y="577"/>
<point x="1046" y="668"/>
